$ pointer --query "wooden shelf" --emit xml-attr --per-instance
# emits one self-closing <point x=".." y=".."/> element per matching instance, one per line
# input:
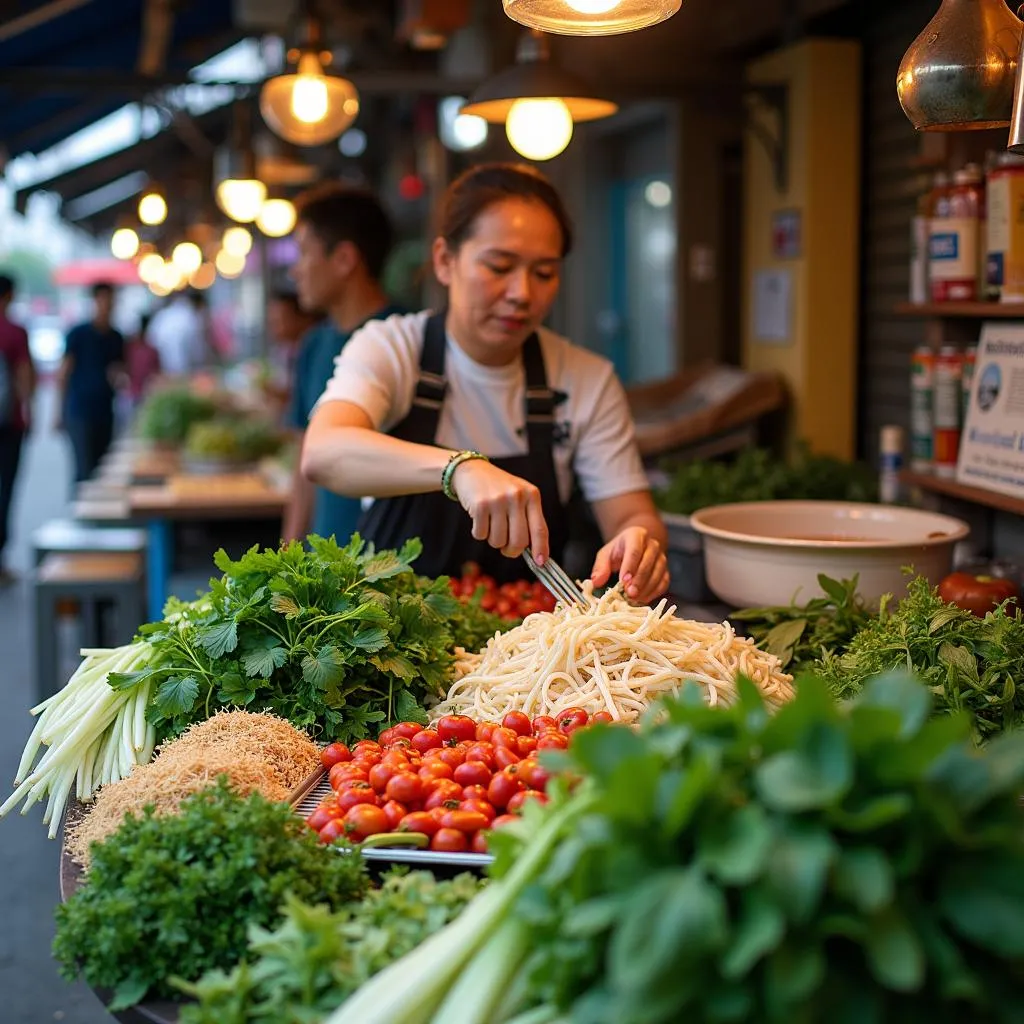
<point x="962" y="492"/>
<point x="966" y="310"/>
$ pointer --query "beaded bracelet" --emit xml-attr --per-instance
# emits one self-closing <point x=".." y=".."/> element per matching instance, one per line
<point x="453" y="464"/>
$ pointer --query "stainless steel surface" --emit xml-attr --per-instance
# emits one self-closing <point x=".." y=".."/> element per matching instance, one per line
<point x="961" y="70"/>
<point x="556" y="580"/>
<point x="1016" y="143"/>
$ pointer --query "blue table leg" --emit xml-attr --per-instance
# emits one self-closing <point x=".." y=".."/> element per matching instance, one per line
<point x="159" y="552"/>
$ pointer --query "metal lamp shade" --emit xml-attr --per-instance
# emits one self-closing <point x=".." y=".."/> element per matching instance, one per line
<point x="536" y="80"/>
<point x="277" y="108"/>
<point x="960" y="71"/>
<point x="590" y="17"/>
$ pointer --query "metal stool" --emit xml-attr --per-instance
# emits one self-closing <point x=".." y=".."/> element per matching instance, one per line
<point x="68" y="536"/>
<point x="110" y="593"/>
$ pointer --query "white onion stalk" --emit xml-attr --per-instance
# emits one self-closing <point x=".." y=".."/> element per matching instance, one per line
<point x="92" y="734"/>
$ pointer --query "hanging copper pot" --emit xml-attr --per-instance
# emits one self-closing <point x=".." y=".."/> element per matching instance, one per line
<point x="960" y="71"/>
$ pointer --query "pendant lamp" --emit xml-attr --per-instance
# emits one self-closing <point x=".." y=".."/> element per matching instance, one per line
<point x="309" y="106"/>
<point x="239" y="191"/>
<point x="960" y="72"/>
<point x="590" y="17"/>
<point x="538" y="102"/>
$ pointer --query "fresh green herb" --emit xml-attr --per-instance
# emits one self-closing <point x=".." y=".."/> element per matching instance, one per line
<point x="856" y="864"/>
<point x="175" y="896"/>
<point x="316" y="958"/>
<point x="758" y="475"/>
<point x="798" y="635"/>
<point x="971" y="664"/>
<point x="336" y="640"/>
<point x="167" y="416"/>
<point x="233" y="438"/>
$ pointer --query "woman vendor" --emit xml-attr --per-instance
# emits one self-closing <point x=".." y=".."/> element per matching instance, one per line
<point x="469" y="427"/>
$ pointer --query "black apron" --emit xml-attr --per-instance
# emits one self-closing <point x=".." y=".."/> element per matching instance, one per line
<point x="443" y="525"/>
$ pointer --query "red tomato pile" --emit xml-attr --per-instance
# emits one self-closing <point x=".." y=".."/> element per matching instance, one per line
<point x="511" y="601"/>
<point x="453" y="781"/>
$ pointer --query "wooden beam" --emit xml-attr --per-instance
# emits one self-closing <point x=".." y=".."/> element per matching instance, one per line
<point x="157" y="31"/>
<point x="40" y="16"/>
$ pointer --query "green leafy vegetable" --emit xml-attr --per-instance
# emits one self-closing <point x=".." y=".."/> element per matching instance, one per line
<point x="233" y="438"/>
<point x="758" y="475"/>
<point x="858" y="863"/>
<point x="167" y="416"/>
<point x="176" y="895"/>
<point x="316" y="958"/>
<point x="971" y="664"/>
<point x="798" y="635"/>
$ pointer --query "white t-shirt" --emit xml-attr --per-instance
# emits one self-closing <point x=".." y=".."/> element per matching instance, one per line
<point x="378" y="369"/>
<point x="176" y="332"/>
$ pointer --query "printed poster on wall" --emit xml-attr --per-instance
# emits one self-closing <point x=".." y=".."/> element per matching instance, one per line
<point x="992" y="443"/>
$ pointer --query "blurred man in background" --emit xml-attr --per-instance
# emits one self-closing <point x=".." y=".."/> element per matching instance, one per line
<point x="93" y="366"/>
<point x="17" y="384"/>
<point x="344" y="237"/>
<point x="288" y="323"/>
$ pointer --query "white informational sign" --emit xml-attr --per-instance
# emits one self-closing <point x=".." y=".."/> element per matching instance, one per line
<point x="992" y="443"/>
<point x="773" y="305"/>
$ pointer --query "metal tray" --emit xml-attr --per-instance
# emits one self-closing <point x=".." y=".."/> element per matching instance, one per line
<point x="305" y="797"/>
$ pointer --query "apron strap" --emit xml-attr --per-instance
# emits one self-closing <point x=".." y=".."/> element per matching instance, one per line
<point x="431" y="387"/>
<point x="540" y="402"/>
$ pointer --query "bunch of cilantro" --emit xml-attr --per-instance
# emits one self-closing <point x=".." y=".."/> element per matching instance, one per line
<point x="334" y="639"/>
<point x="316" y="958"/>
<point x="176" y="896"/>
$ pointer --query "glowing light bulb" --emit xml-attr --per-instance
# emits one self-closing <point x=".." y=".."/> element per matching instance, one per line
<point x="152" y="209"/>
<point x="150" y="266"/>
<point x="187" y="257"/>
<point x="229" y="264"/>
<point x="241" y="198"/>
<point x="170" y="277"/>
<point x="539" y="129"/>
<point x="237" y="241"/>
<point x="310" y="101"/>
<point x="124" y="243"/>
<point x="277" y="218"/>
<point x="592" y="6"/>
<point x="203" y="277"/>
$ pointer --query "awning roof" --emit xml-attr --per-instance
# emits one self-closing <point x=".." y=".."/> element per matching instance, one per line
<point x="66" y="63"/>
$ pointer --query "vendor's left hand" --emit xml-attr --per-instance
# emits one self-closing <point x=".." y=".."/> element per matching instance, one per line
<point x="640" y="562"/>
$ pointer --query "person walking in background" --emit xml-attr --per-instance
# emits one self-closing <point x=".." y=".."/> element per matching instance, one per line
<point x="287" y="323"/>
<point x="344" y="237"/>
<point x="179" y="334"/>
<point x="92" y="367"/>
<point x="142" y="362"/>
<point x="17" y="385"/>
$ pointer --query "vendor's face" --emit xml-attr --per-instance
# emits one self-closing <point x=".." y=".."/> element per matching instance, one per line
<point x="319" y="275"/>
<point x="504" y="278"/>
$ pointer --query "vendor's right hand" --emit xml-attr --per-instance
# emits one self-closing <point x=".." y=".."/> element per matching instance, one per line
<point x="506" y="510"/>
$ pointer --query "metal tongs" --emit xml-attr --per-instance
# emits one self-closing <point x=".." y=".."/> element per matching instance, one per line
<point x="556" y="581"/>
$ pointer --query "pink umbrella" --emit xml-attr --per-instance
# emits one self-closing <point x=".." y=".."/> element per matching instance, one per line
<point x="94" y="271"/>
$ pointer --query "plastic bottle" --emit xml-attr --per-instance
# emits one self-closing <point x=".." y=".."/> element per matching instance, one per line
<point x="954" y="239"/>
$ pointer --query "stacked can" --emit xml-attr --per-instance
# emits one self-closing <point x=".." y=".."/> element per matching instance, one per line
<point x="948" y="403"/>
<point x="922" y="395"/>
<point x="966" y="381"/>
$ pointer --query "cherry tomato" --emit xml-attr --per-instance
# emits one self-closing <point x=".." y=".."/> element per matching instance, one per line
<point x="503" y="757"/>
<point x="425" y="739"/>
<point x="475" y="792"/>
<point x="346" y="772"/>
<point x="419" y="821"/>
<point x="552" y="741"/>
<point x="518" y="723"/>
<point x="518" y="799"/>
<point x="405" y="787"/>
<point x="542" y="722"/>
<point x="449" y="840"/>
<point x="380" y="775"/>
<point x="488" y="601"/>
<point x="602" y="716"/>
<point x="456" y="727"/>
<point x="357" y="793"/>
<point x="484" y="730"/>
<point x="504" y="608"/>
<point x="395" y="813"/>
<point x="447" y="800"/>
<point x="478" y="844"/>
<point x="453" y="756"/>
<point x="365" y="820"/>
<point x="465" y="821"/>
<point x="330" y="805"/>
<point x="385" y="738"/>
<point x="472" y="773"/>
<point x="526" y="745"/>
<point x="406" y="730"/>
<point x="502" y="787"/>
<point x="480" y="807"/>
<point x="529" y="607"/>
<point x="400" y="744"/>
<point x="320" y="816"/>
<point x="368" y="758"/>
<point x="502" y="737"/>
<point x="335" y="753"/>
<point x="534" y="774"/>
<point x="503" y="819"/>
<point x="368" y="746"/>
<point x="572" y="719"/>
<point x="481" y="752"/>
<point x="471" y="570"/>
<point x="334" y="829"/>
<point x="448" y="788"/>
<point x="487" y="582"/>
<point x="435" y="770"/>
